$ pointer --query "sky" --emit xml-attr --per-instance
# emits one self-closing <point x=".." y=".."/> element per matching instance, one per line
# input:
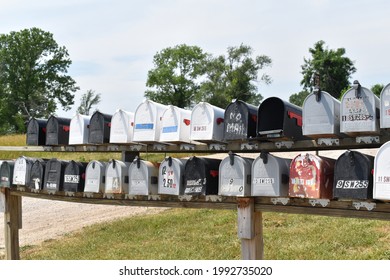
<point x="112" y="43"/>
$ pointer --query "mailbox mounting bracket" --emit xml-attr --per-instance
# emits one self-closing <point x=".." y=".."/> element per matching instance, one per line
<point x="367" y="139"/>
<point x="185" y="197"/>
<point x="287" y="144"/>
<point x="214" y="198"/>
<point x="154" y="197"/>
<point x="368" y="205"/>
<point x="249" y="146"/>
<point x="217" y="147"/>
<point x="282" y="200"/>
<point x="187" y="147"/>
<point x="328" y="141"/>
<point x="322" y="202"/>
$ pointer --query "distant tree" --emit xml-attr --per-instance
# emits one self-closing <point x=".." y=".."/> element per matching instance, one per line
<point x="298" y="98"/>
<point x="33" y="78"/>
<point x="377" y="89"/>
<point x="88" y="99"/>
<point x="333" y="67"/>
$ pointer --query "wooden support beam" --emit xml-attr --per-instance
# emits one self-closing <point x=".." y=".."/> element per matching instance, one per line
<point x="250" y="229"/>
<point x="12" y="224"/>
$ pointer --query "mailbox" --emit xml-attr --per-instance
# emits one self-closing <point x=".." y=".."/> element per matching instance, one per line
<point x="74" y="176"/>
<point x="57" y="131"/>
<point x="321" y="115"/>
<point x="385" y="107"/>
<point x="6" y="173"/>
<point x="22" y="170"/>
<point x="54" y="175"/>
<point x="235" y="176"/>
<point x="353" y="177"/>
<point x="240" y="121"/>
<point x="207" y="123"/>
<point x="143" y="177"/>
<point x="99" y="128"/>
<point x="382" y="173"/>
<point x="37" y="174"/>
<point x="270" y="175"/>
<point x="359" y="111"/>
<point x="122" y="127"/>
<point x="279" y="120"/>
<point x="311" y="176"/>
<point x="175" y="125"/>
<point x="95" y="177"/>
<point x="117" y="178"/>
<point x="79" y="129"/>
<point x="171" y="176"/>
<point x="36" y="132"/>
<point x="147" y="121"/>
<point x="201" y="176"/>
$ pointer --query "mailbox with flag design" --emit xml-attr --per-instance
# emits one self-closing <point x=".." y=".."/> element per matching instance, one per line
<point x="57" y="131"/>
<point x="171" y="176"/>
<point x="99" y="128"/>
<point x="95" y="175"/>
<point x="54" y="175"/>
<point x="175" y="125"/>
<point x="117" y="177"/>
<point x="79" y="129"/>
<point x="36" y="132"/>
<point x="122" y="127"/>
<point x="143" y="177"/>
<point x="74" y="176"/>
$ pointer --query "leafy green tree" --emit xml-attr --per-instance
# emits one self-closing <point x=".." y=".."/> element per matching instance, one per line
<point x="333" y="67"/>
<point x="298" y="98"/>
<point x="377" y="89"/>
<point x="88" y="99"/>
<point x="175" y="77"/>
<point x="33" y="77"/>
<point x="234" y="76"/>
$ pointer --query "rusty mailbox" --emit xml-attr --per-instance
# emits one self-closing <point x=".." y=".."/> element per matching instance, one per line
<point x="54" y="175"/>
<point x="99" y="128"/>
<point x="57" y="131"/>
<point x="95" y="177"/>
<point x="36" y="132"/>
<point x="143" y="177"/>
<point x="74" y="176"/>
<point x="171" y="176"/>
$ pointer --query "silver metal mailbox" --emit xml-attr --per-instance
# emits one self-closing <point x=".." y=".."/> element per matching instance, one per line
<point x="207" y="123"/>
<point x="359" y="111"/>
<point x="22" y="170"/>
<point x="382" y="173"/>
<point x="143" y="178"/>
<point x="95" y="175"/>
<point x="171" y="176"/>
<point x="235" y="176"/>
<point x="79" y="129"/>
<point x="122" y="127"/>
<point x="175" y="125"/>
<point x="117" y="178"/>
<point x="270" y="175"/>
<point x="385" y="107"/>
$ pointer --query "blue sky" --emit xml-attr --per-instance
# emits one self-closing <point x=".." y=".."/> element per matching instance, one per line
<point x="112" y="43"/>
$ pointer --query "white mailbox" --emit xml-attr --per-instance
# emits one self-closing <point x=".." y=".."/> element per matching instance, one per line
<point x="170" y="179"/>
<point x="207" y="123"/>
<point x="79" y="129"/>
<point x="95" y="175"/>
<point x="359" y="111"/>
<point x="321" y="115"/>
<point x="385" y="107"/>
<point x="147" y="121"/>
<point x="382" y="173"/>
<point x="122" y="127"/>
<point x="22" y="169"/>
<point x="175" y="125"/>
<point x="143" y="178"/>
<point x="117" y="179"/>
<point x="270" y="175"/>
<point x="235" y="176"/>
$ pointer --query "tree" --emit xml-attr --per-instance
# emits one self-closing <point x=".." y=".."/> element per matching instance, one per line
<point x="333" y="67"/>
<point x="33" y="78"/>
<point x="88" y="100"/>
<point x="298" y="98"/>
<point x="377" y="89"/>
<point x="174" y="78"/>
<point x="234" y="77"/>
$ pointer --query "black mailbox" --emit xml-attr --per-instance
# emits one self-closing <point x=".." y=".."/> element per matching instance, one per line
<point x="6" y="173"/>
<point x="36" y="132"/>
<point x="279" y="120"/>
<point x="240" y="121"/>
<point x="74" y="176"/>
<point x="353" y="178"/>
<point x="99" y="128"/>
<point x="37" y="174"/>
<point x="54" y="175"/>
<point x="57" y="131"/>
<point x="201" y="176"/>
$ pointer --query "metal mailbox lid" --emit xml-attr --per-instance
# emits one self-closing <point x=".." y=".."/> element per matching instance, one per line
<point x="54" y="174"/>
<point x="99" y="128"/>
<point x="321" y="115"/>
<point x="385" y="107"/>
<point x="22" y="169"/>
<point x="201" y="176"/>
<point x="74" y="176"/>
<point x="240" y="121"/>
<point x="359" y="111"/>
<point x="122" y="127"/>
<point x="207" y="123"/>
<point x="143" y="177"/>
<point x="353" y="177"/>
<point x="235" y="176"/>
<point x="79" y="129"/>
<point x="6" y="173"/>
<point x="117" y="179"/>
<point x="147" y="121"/>
<point x="278" y="119"/>
<point x="270" y="175"/>
<point x="36" y="132"/>
<point x="95" y="175"/>
<point x="311" y="176"/>
<point x="37" y="174"/>
<point x="382" y="173"/>
<point x="57" y="131"/>
<point x="170" y="179"/>
<point x="175" y="125"/>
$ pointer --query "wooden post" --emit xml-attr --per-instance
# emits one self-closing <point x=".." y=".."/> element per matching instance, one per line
<point x="250" y="230"/>
<point x="12" y="224"/>
<point x="129" y="156"/>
